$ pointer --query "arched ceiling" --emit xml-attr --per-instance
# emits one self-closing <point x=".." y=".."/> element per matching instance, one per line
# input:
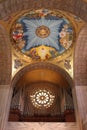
<point x="7" y="7"/>
<point x="40" y="73"/>
<point x="43" y="75"/>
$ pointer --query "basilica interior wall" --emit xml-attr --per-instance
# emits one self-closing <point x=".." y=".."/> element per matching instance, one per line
<point x="7" y="8"/>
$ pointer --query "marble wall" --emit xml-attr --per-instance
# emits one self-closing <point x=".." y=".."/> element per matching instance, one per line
<point x="4" y="105"/>
<point x="42" y="126"/>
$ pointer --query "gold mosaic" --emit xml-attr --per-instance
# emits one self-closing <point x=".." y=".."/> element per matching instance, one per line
<point x="42" y="31"/>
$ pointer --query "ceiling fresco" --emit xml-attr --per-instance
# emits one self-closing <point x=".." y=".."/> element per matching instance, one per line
<point x="42" y="34"/>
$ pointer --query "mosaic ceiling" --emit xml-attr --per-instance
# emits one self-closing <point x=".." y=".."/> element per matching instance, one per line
<point x="42" y="34"/>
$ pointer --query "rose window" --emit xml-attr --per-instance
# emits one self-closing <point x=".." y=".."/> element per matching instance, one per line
<point x="42" y="99"/>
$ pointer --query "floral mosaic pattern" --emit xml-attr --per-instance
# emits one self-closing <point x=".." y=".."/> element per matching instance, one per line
<point x="42" y="34"/>
<point x="42" y="99"/>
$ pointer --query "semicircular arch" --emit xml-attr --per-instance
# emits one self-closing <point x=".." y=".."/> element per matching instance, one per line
<point x="41" y="67"/>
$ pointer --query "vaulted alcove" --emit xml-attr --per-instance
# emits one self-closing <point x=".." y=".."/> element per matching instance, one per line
<point x="42" y="93"/>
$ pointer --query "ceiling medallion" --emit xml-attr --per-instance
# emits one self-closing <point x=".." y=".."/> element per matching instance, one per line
<point x="42" y="31"/>
<point x="42" y="34"/>
<point x="42" y="99"/>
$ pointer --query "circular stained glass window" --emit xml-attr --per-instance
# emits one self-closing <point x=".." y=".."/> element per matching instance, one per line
<point x="42" y="99"/>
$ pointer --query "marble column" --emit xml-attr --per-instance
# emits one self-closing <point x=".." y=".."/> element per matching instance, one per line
<point x="81" y="93"/>
<point x="85" y="125"/>
<point x="5" y="97"/>
<point x="77" y="112"/>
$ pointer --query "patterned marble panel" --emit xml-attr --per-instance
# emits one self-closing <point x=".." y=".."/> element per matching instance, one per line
<point x="42" y="126"/>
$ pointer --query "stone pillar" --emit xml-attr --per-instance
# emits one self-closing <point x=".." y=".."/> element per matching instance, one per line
<point x="81" y="93"/>
<point x="5" y="97"/>
<point x="77" y="112"/>
<point x="85" y="125"/>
